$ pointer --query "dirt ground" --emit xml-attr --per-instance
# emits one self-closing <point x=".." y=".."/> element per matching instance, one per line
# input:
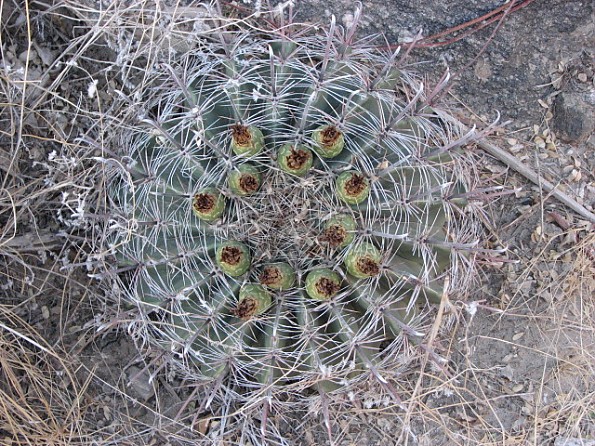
<point x="520" y="347"/>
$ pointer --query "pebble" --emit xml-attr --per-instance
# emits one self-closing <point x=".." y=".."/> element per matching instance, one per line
<point x="507" y="372"/>
<point x="139" y="384"/>
<point x="574" y="117"/>
<point x="28" y="55"/>
<point x="518" y="336"/>
<point x="46" y="55"/>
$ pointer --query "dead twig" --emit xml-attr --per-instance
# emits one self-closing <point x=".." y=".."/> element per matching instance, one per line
<point x="470" y="27"/>
<point x="513" y="163"/>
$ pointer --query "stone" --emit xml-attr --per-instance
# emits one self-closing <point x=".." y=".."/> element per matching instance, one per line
<point x="574" y="116"/>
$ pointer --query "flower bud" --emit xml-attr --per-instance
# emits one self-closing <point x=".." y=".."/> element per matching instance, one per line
<point x="245" y="180"/>
<point x="322" y="284"/>
<point x="363" y="261"/>
<point x="339" y="231"/>
<point x="352" y="187"/>
<point x="296" y="160"/>
<point x="278" y="276"/>
<point x="329" y="141"/>
<point x="208" y="204"/>
<point x="233" y="258"/>
<point x="253" y="300"/>
<point x="248" y="141"/>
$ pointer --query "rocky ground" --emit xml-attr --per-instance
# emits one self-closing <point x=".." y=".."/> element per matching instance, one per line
<point x="521" y="347"/>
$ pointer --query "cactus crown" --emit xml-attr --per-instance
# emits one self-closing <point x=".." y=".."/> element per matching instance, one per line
<point x="294" y="201"/>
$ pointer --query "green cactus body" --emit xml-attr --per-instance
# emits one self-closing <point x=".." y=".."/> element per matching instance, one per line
<point x="377" y="214"/>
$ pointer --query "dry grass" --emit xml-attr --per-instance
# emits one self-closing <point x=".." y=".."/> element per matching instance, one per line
<point x="521" y="360"/>
<point x="44" y="399"/>
<point x="41" y="400"/>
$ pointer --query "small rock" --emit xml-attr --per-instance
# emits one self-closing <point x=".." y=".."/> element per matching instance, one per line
<point x="30" y="55"/>
<point x="138" y="382"/>
<point x="519" y="423"/>
<point x="507" y="372"/>
<point x="483" y="70"/>
<point x="46" y="55"/>
<point x="518" y="336"/>
<point x="574" y="116"/>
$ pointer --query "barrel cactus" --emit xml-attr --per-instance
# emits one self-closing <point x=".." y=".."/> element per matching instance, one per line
<point x="290" y="207"/>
